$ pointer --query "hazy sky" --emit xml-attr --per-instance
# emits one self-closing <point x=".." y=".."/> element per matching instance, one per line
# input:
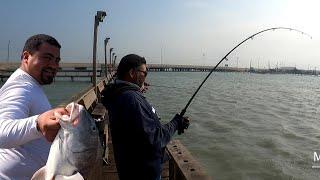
<point x="185" y="31"/>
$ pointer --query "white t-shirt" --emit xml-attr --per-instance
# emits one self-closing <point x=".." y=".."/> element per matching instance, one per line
<point x="23" y="150"/>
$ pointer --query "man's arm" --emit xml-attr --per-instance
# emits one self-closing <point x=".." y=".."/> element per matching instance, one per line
<point x="14" y="133"/>
<point x="155" y="133"/>
<point x="163" y="133"/>
<point x="16" y="127"/>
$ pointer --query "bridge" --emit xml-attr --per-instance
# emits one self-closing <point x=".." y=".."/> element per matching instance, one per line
<point x="74" y="71"/>
<point x="191" y="68"/>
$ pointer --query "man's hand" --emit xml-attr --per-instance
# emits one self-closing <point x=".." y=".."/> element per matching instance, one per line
<point x="183" y="123"/>
<point x="48" y="124"/>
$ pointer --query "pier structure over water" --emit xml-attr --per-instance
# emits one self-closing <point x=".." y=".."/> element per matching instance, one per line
<point x="190" y="68"/>
<point x="76" y="71"/>
<point x="67" y="71"/>
<point x="199" y="68"/>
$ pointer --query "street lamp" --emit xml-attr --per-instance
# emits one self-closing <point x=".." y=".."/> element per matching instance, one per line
<point x="113" y="58"/>
<point x="110" y="59"/>
<point x="8" y="57"/>
<point x="110" y="55"/>
<point x="97" y="18"/>
<point x="114" y="61"/>
<point x="105" y="55"/>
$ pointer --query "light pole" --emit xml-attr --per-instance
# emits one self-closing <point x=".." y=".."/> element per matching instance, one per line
<point x="8" y="57"/>
<point x="97" y="18"/>
<point x="110" y="58"/>
<point x="113" y="58"/>
<point x="114" y="61"/>
<point x="105" y="55"/>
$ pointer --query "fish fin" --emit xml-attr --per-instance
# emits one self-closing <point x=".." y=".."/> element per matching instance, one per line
<point x="76" y="176"/>
<point x="40" y="174"/>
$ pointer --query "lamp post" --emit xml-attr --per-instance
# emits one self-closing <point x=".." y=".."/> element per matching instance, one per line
<point x="8" y="57"/>
<point x="97" y="18"/>
<point x="110" y="57"/>
<point x="113" y="59"/>
<point x="105" y="55"/>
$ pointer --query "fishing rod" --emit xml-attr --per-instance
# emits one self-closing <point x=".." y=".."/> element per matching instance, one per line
<point x="183" y="111"/>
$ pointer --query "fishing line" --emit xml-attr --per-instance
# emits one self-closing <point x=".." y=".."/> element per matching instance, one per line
<point x="183" y="111"/>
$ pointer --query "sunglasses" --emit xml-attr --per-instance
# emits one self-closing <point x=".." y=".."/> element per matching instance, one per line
<point x="145" y="73"/>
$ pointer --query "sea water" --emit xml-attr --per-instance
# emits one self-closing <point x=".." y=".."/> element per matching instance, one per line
<point x="243" y="125"/>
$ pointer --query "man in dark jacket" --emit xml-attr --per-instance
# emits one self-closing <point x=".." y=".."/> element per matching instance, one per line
<point x="138" y="137"/>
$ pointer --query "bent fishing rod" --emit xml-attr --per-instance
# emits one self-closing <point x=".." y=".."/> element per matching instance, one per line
<point x="183" y="111"/>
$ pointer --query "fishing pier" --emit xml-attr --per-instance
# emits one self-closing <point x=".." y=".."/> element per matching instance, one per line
<point x="67" y="71"/>
<point x="83" y="71"/>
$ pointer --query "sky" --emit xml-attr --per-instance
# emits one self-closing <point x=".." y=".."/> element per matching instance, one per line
<point x="186" y="32"/>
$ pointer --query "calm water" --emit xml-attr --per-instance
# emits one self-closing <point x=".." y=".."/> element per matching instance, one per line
<point x="244" y="126"/>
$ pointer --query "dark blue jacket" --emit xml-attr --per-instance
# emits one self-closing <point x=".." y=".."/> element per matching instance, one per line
<point x="138" y="137"/>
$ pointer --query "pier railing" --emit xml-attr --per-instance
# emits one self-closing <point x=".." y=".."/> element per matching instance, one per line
<point x="181" y="165"/>
<point x="61" y="74"/>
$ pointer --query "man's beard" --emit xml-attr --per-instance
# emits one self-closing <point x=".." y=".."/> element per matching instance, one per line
<point x="139" y="82"/>
<point x="45" y="79"/>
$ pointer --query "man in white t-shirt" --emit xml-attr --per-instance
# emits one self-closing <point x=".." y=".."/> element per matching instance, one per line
<point x="27" y="122"/>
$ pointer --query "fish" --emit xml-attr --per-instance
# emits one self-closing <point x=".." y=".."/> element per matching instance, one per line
<point x="75" y="148"/>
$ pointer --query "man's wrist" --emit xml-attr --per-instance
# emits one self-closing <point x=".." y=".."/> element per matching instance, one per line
<point x="37" y="124"/>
